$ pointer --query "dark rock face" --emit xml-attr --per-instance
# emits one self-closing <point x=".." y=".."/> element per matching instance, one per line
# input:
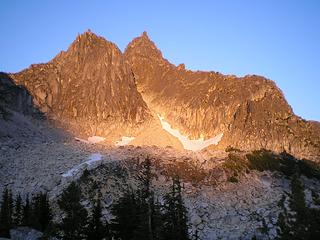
<point x="89" y="88"/>
<point x="21" y="122"/>
<point x="250" y="111"/>
<point x="15" y="98"/>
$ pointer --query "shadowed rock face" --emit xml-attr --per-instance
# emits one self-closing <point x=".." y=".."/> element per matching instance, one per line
<point x="250" y="111"/>
<point x="89" y="88"/>
<point x="14" y="98"/>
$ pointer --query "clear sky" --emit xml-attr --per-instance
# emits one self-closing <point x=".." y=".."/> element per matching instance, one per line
<point x="277" y="39"/>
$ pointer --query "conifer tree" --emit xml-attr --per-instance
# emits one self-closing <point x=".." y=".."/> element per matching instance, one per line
<point x="11" y="207"/>
<point x="175" y="214"/>
<point x="75" y="215"/>
<point x="304" y="223"/>
<point x="137" y="214"/>
<point x="96" y="228"/>
<point x="157" y="220"/>
<point x="146" y="202"/>
<point x="41" y="211"/>
<point x="17" y="216"/>
<point x="27" y="213"/>
<point x="125" y="211"/>
<point x="6" y="213"/>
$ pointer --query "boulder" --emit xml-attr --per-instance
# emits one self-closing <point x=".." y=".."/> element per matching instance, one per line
<point x="25" y="233"/>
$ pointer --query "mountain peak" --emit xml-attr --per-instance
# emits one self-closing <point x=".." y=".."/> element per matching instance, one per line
<point x="144" y="45"/>
<point x="88" y="35"/>
<point x="88" y="41"/>
<point x="145" y="35"/>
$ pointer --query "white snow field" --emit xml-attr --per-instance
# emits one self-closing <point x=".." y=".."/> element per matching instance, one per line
<point x="96" y="139"/>
<point x="193" y="145"/>
<point x="92" y="159"/>
<point x="81" y="140"/>
<point x="124" y="141"/>
<point x="92" y="140"/>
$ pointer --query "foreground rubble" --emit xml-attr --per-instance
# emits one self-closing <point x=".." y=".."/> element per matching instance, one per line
<point x="218" y="208"/>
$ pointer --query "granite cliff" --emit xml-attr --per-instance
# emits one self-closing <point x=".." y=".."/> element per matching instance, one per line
<point x="251" y="111"/>
<point x="95" y="89"/>
<point x="89" y="88"/>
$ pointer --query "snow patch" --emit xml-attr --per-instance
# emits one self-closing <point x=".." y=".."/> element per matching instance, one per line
<point x="124" y="141"/>
<point x="96" y="139"/>
<point x="92" y="159"/>
<point x="92" y="140"/>
<point x="81" y="140"/>
<point x="193" y="145"/>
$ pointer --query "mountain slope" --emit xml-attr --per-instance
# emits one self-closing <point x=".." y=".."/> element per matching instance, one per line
<point x="89" y="88"/>
<point x="251" y="112"/>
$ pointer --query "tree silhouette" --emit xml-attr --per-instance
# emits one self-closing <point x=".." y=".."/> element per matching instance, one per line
<point x="27" y="213"/>
<point x="302" y="222"/>
<point x="41" y="211"/>
<point x="17" y="215"/>
<point x="75" y="215"/>
<point x="96" y="228"/>
<point x="139" y="216"/>
<point x="125" y="211"/>
<point x="175" y="214"/>
<point x="6" y="213"/>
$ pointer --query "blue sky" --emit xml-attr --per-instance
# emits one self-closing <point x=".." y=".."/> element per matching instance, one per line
<point x="277" y="39"/>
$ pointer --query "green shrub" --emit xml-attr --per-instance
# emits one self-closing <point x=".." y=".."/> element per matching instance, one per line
<point x="309" y="169"/>
<point x="263" y="160"/>
<point x="236" y="164"/>
<point x="232" y="149"/>
<point x="85" y="175"/>
<point x="233" y="179"/>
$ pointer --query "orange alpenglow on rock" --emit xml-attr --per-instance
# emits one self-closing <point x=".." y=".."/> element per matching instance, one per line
<point x="93" y="89"/>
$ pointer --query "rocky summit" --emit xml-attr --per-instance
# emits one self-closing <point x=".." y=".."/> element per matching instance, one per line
<point x="89" y="88"/>
<point x="151" y="151"/>
<point x="251" y="111"/>
<point x="94" y="90"/>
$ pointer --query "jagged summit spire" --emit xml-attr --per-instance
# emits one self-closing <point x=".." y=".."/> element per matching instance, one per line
<point x="144" y="37"/>
<point x="89" y="38"/>
<point x="145" y="34"/>
<point x="143" y="45"/>
<point x="88" y="33"/>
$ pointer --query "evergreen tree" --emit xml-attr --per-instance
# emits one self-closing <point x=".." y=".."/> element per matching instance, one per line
<point x="41" y="211"/>
<point x="75" y="215"/>
<point x="175" y="214"/>
<point x="125" y="211"/>
<point x="51" y="231"/>
<point x="27" y="213"/>
<point x="283" y="221"/>
<point x="139" y="216"/>
<point x="17" y="216"/>
<point x="6" y="213"/>
<point x="146" y="203"/>
<point x="304" y="223"/>
<point x="96" y="228"/>
<point x="157" y="220"/>
<point x="10" y="207"/>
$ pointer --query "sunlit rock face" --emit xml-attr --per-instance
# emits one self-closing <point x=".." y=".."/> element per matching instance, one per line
<point x="250" y="111"/>
<point x="89" y="88"/>
<point x="95" y="90"/>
